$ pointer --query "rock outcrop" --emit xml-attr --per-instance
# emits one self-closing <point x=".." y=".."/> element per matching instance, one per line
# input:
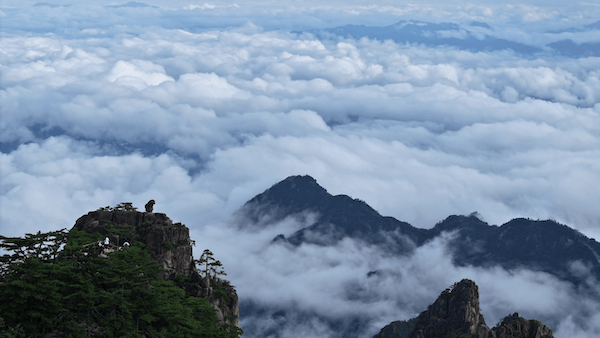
<point x="515" y="326"/>
<point x="171" y="246"/>
<point x="455" y="310"/>
<point x="456" y="314"/>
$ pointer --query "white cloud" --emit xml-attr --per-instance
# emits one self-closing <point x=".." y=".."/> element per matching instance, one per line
<point x="300" y="279"/>
<point x="203" y="6"/>
<point x="235" y="102"/>
<point x="128" y="73"/>
<point x="535" y="13"/>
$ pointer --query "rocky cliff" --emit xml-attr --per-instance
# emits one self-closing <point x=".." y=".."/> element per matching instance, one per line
<point x="456" y="310"/>
<point x="456" y="314"/>
<point x="170" y="245"/>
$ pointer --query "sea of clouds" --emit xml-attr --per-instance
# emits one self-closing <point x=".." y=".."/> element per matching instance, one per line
<point x="202" y="105"/>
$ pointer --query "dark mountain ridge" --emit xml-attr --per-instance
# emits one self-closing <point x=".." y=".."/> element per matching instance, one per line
<point x="520" y="243"/>
<point x="340" y="216"/>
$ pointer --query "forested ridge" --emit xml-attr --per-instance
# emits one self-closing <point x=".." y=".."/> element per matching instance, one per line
<point x="75" y="284"/>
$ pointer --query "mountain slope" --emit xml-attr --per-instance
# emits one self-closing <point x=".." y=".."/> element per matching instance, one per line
<point x="520" y="243"/>
<point x="338" y="217"/>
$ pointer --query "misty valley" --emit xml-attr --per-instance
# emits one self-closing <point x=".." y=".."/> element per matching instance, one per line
<point x="339" y="269"/>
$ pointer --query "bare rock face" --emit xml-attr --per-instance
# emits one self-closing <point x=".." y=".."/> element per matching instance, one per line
<point x="170" y="245"/>
<point x="456" y="310"/>
<point x="225" y="301"/>
<point x="456" y="314"/>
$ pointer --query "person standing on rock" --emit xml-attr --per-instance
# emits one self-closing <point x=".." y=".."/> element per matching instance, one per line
<point x="150" y="206"/>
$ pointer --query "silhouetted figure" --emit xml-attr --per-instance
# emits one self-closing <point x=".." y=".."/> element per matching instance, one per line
<point x="150" y="206"/>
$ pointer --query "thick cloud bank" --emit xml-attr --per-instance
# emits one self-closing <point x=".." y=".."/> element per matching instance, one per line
<point x="322" y="291"/>
<point x="201" y="106"/>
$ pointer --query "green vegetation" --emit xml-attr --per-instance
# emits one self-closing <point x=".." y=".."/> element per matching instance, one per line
<point x="169" y="246"/>
<point x="125" y="206"/>
<point x="13" y="332"/>
<point x="535" y="323"/>
<point x="65" y="283"/>
<point x="220" y="291"/>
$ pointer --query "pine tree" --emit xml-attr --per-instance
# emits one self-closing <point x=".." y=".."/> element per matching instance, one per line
<point x="210" y="267"/>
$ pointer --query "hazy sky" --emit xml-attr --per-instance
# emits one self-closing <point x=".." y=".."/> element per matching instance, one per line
<point x="202" y="105"/>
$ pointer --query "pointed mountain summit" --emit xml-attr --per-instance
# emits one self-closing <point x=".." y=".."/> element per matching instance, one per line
<point x="293" y="195"/>
<point x="337" y="216"/>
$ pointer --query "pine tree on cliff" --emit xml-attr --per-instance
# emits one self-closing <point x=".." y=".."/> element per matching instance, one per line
<point x="210" y="267"/>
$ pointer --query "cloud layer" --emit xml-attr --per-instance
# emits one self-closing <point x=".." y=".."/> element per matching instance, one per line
<point x="521" y="136"/>
<point x="307" y="288"/>
<point x="201" y="106"/>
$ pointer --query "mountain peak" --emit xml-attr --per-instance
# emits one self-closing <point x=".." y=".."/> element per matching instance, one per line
<point x="456" y="310"/>
<point x="293" y="195"/>
<point x="300" y="188"/>
<point x="337" y="217"/>
<point x="301" y="184"/>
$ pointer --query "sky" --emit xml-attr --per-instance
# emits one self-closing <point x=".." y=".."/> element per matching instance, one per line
<point x="202" y="105"/>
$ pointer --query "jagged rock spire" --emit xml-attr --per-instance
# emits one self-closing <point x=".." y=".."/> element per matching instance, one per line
<point x="456" y="314"/>
<point x="455" y="310"/>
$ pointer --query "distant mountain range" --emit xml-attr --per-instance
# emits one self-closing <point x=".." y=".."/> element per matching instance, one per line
<point x="474" y="37"/>
<point x="576" y="50"/>
<point x="520" y="243"/>
<point x="434" y="34"/>
<point x="583" y="28"/>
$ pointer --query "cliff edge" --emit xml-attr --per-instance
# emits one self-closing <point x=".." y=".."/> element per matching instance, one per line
<point x="170" y="244"/>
